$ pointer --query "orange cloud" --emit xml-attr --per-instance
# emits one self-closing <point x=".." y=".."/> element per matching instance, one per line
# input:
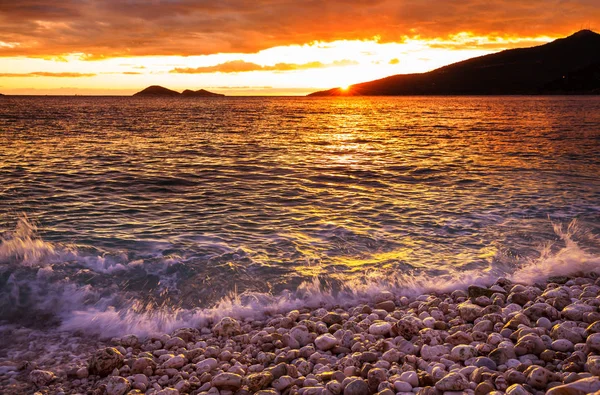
<point x="47" y="74"/>
<point x="241" y="66"/>
<point x="108" y="28"/>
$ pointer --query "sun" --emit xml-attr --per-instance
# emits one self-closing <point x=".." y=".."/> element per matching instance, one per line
<point x="344" y="88"/>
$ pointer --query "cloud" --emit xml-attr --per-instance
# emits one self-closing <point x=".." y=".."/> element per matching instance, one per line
<point x="48" y="74"/>
<point x="394" y="61"/>
<point x="108" y="28"/>
<point x="241" y="66"/>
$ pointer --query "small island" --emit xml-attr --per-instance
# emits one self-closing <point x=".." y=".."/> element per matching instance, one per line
<point x="160" y="91"/>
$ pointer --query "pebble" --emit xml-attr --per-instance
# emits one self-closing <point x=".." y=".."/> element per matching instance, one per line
<point x="227" y="381"/>
<point x="41" y="378"/>
<point x="326" y="342"/>
<point x="105" y="360"/>
<point x="356" y="387"/>
<point x="529" y="340"/>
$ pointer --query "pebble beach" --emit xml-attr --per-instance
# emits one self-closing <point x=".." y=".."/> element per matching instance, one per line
<point x="504" y="338"/>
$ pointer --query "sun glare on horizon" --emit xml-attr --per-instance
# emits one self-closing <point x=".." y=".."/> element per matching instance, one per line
<point x="280" y="70"/>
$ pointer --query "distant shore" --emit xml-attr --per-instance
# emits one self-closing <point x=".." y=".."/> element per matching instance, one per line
<point x="507" y="338"/>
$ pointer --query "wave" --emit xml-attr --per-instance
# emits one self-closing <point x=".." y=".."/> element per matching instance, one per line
<point x="57" y="281"/>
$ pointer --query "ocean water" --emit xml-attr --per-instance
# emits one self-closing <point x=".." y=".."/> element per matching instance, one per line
<point x="137" y="215"/>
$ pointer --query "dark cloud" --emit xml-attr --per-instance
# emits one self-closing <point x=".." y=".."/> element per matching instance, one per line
<point x="108" y="28"/>
<point x="241" y="66"/>
<point x="47" y="74"/>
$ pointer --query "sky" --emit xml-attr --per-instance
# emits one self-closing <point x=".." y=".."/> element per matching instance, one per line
<point x="259" y="47"/>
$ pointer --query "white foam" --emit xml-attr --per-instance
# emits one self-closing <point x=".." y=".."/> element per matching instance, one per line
<point x="72" y="301"/>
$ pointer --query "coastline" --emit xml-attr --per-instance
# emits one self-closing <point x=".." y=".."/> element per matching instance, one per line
<point x="503" y="338"/>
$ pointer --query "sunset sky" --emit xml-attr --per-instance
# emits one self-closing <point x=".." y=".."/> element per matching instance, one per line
<point x="265" y="47"/>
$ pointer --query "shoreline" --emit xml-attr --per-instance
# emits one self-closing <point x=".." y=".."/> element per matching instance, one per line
<point x="506" y="338"/>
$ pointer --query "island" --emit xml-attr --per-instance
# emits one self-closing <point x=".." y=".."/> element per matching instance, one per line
<point x="200" y="93"/>
<point x="159" y="91"/>
<point x="569" y="65"/>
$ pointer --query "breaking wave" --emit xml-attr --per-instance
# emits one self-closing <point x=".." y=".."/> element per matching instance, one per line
<point x="76" y="291"/>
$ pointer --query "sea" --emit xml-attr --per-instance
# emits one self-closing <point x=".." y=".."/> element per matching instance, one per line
<point x="141" y="215"/>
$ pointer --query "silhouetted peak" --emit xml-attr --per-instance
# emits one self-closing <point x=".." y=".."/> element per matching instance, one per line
<point x="585" y="33"/>
<point x="157" y="90"/>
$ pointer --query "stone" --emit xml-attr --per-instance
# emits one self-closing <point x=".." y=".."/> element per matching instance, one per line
<point x="463" y="352"/>
<point x="518" y="319"/>
<point x="530" y="344"/>
<point x="175" y="362"/>
<point x="175" y="342"/>
<point x="515" y="377"/>
<point x="431" y="352"/>
<point x="129" y="341"/>
<point x="579" y="387"/>
<point x="335" y="387"/>
<point x="392" y="355"/>
<point x="227" y="327"/>
<point x="562" y="345"/>
<point x="541" y="310"/>
<point x="117" y="385"/>
<point x="593" y="342"/>
<point x="258" y="381"/>
<point x="167" y="391"/>
<point x="538" y="377"/>
<point x="183" y="386"/>
<point x="104" y="361"/>
<point x="475" y="291"/>
<point x="407" y="327"/>
<point x="469" y="311"/>
<point x="82" y="373"/>
<point x="380" y="328"/>
<point x="411" y="377"/>
<point x="41" y="378"/>
<point x="387" y="305"/>
<point x="592" y="328"/>
<point x="357" y="387"/>
<point x="484" y="388"/>
<point x="517" y="389"/>
<point x="187" y="334"/>
<point x="593" y="364"/>
<point x="282" y="383"/>
<point x="375" y="377"/>
<point x="141" y="364"/>
<point x="206" y="365"/>
<point x="452" y="382"/>
<point x="326" y="342"/>
<point x="485" y="362"/>
<point x="227" y="381"/>
<point x="278" y="370"/>
<point x="332" y="319"/>
<point x="141" y="378"/>
<point x="484" y="326"/>
<point x="501" y="355"/>
<point x="459" y="337"/>
<point x="402" y="386"/>
<point x="564" y="331"/>
<point x="301" y="334"/>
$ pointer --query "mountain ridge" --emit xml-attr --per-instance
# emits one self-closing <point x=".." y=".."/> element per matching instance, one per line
<point x="565" y="65"/>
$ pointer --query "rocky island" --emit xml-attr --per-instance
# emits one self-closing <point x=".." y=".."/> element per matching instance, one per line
<point x="159" y="91"/>
<point x="569" y="65"/>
